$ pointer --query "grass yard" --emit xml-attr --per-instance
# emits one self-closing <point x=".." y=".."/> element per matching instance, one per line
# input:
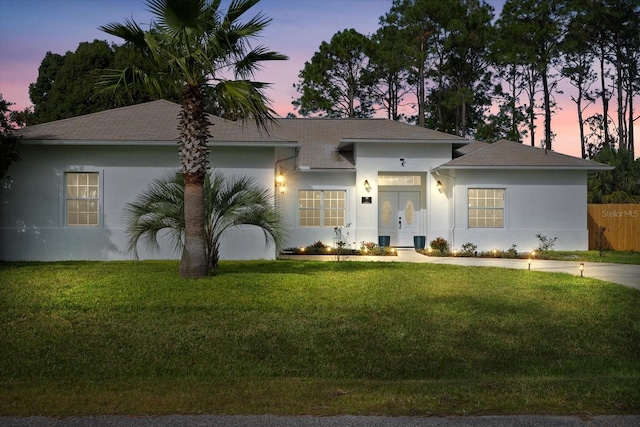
<point x="618" y="257"/>
<point x="295" y="337"/>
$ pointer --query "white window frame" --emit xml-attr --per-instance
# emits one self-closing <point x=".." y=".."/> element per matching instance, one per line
<point x="322" y="209"/>
<point x="492" y="210"/>
<point x="83" y="195"/>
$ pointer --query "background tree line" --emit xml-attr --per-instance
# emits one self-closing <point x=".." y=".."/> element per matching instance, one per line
<point x="454" y="66"/>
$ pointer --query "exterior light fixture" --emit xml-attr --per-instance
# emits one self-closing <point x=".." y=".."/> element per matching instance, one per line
<point x="581" y="269"/>
<point x="529" y="262"/>
<point x="367" y="186"/>
<point x="439" y="185"/>
<point x="402" y="162"/>
<point x="280" y="182"/>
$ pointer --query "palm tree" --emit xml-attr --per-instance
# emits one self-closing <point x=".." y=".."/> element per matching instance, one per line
<point x="194" y="46"/>
<point x="229" y="203"/>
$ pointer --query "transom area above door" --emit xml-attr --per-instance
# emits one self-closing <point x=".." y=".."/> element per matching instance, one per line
<point x="399" y="180"/>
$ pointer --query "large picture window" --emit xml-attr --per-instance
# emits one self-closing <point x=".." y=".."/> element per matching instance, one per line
<point x="82" y="199"/>
<point x="486" y="207"/>
<point x="322" y="208"/>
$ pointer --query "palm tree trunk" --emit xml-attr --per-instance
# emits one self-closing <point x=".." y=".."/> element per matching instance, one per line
<point x="194" y="255"/>
<point x="194" y="157"/>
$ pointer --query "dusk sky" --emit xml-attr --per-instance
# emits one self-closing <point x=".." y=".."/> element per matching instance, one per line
<point x="30" y="28"/>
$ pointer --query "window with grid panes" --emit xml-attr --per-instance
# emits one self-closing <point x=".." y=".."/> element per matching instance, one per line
<point x="486" y="207"/>
<point x="322" y="208"/>
<point x="82" y="199"/>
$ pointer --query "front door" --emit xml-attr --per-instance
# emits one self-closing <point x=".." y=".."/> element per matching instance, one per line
<point x="399" y="216"/>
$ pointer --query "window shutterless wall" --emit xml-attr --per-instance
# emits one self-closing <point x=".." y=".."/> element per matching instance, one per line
<point x="547" y="202"/>
<point x="289" y="203"/>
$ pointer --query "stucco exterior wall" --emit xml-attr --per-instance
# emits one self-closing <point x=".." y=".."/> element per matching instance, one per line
<point x="552" y="203"/>
<point x="324" y="180"/>
<point x="373" y="159"/>
<point x="32" y="215"/>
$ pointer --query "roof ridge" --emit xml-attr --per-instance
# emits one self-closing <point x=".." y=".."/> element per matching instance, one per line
<point x="385" y="126"/>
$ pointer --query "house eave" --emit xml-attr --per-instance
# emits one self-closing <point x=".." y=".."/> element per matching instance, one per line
<point x="253" y="144"/>
<point x="348" y="142"/>
<point x="305" y="169"/>
<point x="522" y="167"/>
<point x="80" y="142"/>
<point x="60" y="142"/>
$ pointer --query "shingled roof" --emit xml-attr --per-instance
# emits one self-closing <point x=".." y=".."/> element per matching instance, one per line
<point x="150" y="122"/>
<point x="506" y="154"/>
<point x="323" y="143"/>
<point x="327" y="143"/>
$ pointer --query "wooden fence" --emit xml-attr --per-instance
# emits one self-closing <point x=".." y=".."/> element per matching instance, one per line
<point x="622" y="226"/>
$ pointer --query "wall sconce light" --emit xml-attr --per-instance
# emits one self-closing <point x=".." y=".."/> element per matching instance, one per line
<point x="402" y="162"/>
<point x="439" y="186"/>
<point x="581" y="269"/>
<point x="280" y="182"/>
<point x="367" y="186"/>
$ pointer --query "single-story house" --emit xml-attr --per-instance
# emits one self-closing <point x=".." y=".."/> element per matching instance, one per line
<point x="363" y="177"/>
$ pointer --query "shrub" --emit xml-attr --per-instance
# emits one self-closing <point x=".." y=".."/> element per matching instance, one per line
<point x="439" y="244"/>
<point x="545" y="243"/>
<point x="469" y="249"/>
<point x="512" y="252"/>
<point x="369" y="246"/>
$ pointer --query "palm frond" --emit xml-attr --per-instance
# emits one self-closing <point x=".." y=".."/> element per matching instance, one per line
<point x="130" y="31"/>
<point x="230" y="202"/>
<point x="245" y="100"/>
<point x="253" y="61"/>
<point x="237" y="8"/>
<point x="160" y="207"/>
<point x="236" y="201"/>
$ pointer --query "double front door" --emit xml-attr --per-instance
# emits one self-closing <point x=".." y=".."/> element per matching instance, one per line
<point x="399" y="216"/>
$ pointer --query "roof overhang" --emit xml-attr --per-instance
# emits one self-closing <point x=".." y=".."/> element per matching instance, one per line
<point x="572" y="168"/>
<point x="58" y="142"/>
<point x="305" y="169"/>
<point x="348" y="142"/>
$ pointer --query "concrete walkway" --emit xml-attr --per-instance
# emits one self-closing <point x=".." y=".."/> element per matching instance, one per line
<point x="624" y="274"/>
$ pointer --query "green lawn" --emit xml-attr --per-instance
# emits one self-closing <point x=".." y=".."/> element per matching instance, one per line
<point x="619" y="257"/>
<point x="321" y="338"/>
